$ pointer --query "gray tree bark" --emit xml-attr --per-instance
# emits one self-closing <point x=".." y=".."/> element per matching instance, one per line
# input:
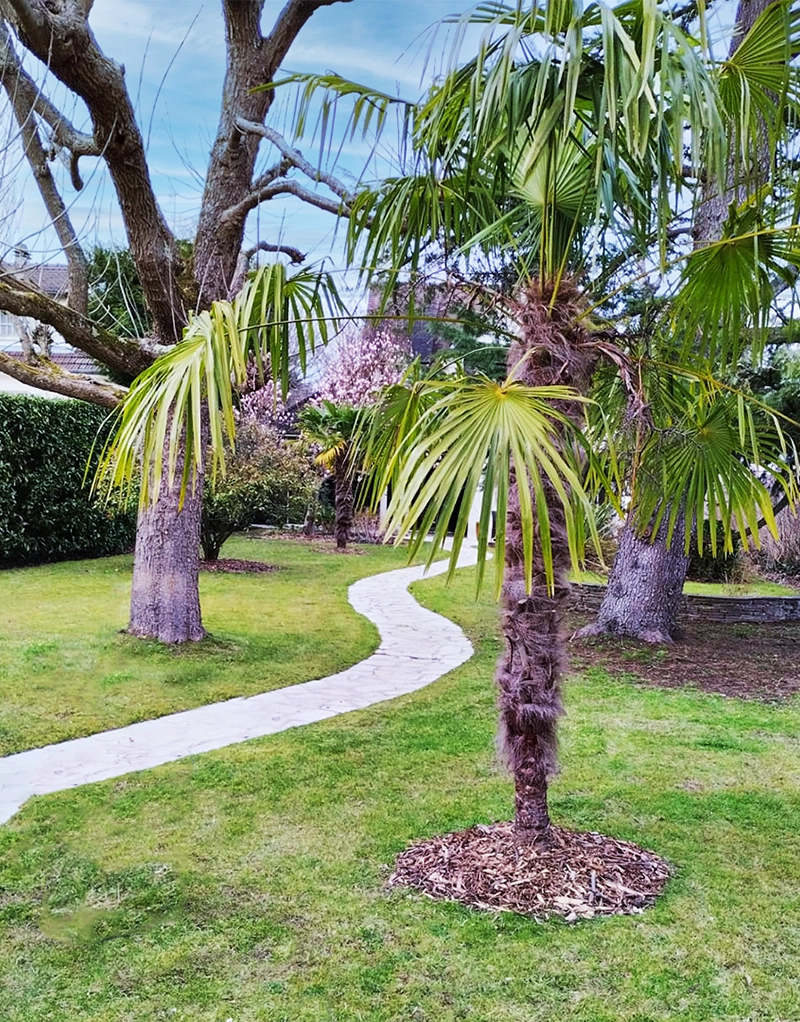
<point x="165" y="596"/>
<point x="644" y="590"/>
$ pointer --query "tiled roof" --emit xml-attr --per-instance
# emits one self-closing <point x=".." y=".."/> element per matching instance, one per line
<point x="47" y="277"/>
<point x="70" y="362"/>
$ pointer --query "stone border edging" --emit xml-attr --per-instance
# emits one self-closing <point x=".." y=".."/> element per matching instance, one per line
<point x="417" y="647"/>
<point x="728" y="609"/>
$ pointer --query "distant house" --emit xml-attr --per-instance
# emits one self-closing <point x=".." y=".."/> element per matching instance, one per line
<point x="53" y="280"/>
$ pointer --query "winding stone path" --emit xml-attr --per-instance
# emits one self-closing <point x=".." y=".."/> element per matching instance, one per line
<point x="417" y="647"/>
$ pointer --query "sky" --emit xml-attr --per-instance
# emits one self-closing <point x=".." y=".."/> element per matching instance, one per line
<point x="173" y="54"/>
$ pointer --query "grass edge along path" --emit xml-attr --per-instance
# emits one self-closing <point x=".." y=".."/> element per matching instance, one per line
<point x="417" y="647"/>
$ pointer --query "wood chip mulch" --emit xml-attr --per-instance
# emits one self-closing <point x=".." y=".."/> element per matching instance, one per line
<point x="582" y="875"/>
<point x="238" y="566"/>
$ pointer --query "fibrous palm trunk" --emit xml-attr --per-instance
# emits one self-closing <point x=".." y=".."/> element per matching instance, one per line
<point x="344" y="500"/>
<point x="555" y="349"/>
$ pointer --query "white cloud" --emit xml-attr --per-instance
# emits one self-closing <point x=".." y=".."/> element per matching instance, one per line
<point x="380" y="63"/>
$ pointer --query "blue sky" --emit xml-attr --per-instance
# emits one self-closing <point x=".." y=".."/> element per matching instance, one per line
<point x="173" y="54"/>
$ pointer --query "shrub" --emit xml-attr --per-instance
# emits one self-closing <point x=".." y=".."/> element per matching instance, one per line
<point x="47" y="512"/>
<point x="720" y="567"/>
<point x="266" y="481"/>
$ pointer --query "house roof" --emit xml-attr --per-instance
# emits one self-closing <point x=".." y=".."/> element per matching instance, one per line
<point x="48" y="277"/>
<point x="69" y="361"/>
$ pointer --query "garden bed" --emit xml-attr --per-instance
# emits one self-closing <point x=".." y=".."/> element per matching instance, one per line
<point x="748" y="661"/>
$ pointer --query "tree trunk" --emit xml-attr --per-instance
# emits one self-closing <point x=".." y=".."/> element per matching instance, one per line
<point x="529" y="670"/>
<point x="644" y="590"/>
<point x="344" y="501"/>
<point x="165" y="598"/>
<point x="310" y="520"/>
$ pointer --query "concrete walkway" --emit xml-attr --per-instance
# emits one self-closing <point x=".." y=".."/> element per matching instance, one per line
<point x="417" y="647"/>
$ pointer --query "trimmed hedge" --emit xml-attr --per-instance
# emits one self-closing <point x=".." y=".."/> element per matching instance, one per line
<point x="46" y="511"/>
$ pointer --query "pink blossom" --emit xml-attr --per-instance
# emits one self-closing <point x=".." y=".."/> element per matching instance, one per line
<point x="364" y="363"/>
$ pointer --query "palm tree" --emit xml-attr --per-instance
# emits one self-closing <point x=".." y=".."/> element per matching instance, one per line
<point x="332" y="429"/>
<point x="186" y="399"/>
<point x="573" y="134"/>
<point x="646" y="582"/>
<point x="569" y="131"/>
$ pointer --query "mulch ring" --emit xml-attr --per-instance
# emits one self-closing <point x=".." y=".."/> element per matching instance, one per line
<point x="746" y="661"/>
<point x="238" y="566"/>
<point x="580" y="876"/>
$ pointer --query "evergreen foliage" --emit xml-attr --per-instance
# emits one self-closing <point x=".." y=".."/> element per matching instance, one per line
<point x="265" y="481"/>
<point x="47" y="512"/>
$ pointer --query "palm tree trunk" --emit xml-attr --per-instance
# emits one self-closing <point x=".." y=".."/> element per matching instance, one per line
<point x="529" y="672"/>
<point x="344" y="500"/>
<point x="555" y="349"/>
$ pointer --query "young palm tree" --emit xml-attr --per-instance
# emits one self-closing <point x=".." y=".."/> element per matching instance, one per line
<point x="646" y="582"/>
<point x="331" y="428"/>
<point x="186" y="399"/>
<point x="569" y="131"/>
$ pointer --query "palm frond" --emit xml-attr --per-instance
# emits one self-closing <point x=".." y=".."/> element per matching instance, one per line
<point x="708" y="468"/>
<point x="476" y="431"/>
<point x="368" y="108"/>
<point x="726" y="293"/>
<point x="182" y="407"/>
<point x="758" y="83"/>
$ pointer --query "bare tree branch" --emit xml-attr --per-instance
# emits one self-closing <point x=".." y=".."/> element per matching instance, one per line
<point x="253" y="60"/>
<point x="295" y="158"/>
<point x="10" y="75"/>
<point x="288" y="23"/>
<point x="279" y="169"/>
<point x="294" y="254"/>
<point x="46" y="375"/>
<point x="126" y="356"/>
<point x="285" y="186"/>
<point x="65" y="134"/>
<point x="60" y="37"/>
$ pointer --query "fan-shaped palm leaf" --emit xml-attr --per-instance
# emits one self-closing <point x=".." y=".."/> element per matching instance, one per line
<point x="479" y="434"/>
<point x="186" y="396"/>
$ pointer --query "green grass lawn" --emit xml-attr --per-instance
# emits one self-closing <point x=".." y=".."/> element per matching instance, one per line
<point x="66" y="671"/>
<point x="247" y="884"/>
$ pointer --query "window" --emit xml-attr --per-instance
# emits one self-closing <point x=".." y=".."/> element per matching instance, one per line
<point x="8" y="330"/>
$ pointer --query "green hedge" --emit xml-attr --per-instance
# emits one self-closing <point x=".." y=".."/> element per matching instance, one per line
<point x="46" y="511"/>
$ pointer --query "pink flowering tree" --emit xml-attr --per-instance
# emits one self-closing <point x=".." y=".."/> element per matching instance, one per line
<point x="363" y="363"/>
